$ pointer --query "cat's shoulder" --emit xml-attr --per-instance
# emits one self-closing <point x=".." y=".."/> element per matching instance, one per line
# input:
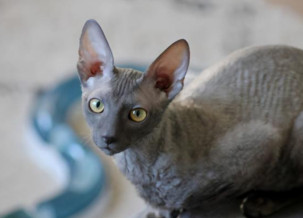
<point x="248" y="61"/>
<point x="255" y="57"/>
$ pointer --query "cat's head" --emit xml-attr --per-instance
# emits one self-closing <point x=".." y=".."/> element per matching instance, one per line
<point x="122" y="106"/>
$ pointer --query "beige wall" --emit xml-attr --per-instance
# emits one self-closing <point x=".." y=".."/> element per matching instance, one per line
<point x="296" y="5"/>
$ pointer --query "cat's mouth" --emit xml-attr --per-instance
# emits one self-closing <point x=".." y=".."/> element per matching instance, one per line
<point x="110" y="149"/>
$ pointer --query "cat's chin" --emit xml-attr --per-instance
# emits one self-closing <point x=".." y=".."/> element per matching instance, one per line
<point x="110" y="152"/>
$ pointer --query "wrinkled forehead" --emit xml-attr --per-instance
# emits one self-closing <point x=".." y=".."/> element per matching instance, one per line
<point x="125" y="81"/>
<point x="121" y="85"/>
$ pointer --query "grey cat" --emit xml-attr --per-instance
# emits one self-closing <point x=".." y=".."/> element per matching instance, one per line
<point x="235" y="132"/>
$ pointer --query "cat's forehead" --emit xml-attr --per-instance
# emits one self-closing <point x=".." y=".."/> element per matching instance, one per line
<point x="122" y="85"/>
<point x="125" y="81"/>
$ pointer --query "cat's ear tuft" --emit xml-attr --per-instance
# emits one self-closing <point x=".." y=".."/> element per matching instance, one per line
<point x="95" y="56"/>
<point x="167" y="72"/>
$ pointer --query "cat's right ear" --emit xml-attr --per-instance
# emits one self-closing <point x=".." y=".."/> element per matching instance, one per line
<point x="95" y="56"/>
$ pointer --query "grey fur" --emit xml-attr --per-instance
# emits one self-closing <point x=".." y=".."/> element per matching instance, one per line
<point x="238" y="127"/>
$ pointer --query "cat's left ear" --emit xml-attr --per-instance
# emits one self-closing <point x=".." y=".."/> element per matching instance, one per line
<point x="167" y="72"/>
<point x="95" y="56"/>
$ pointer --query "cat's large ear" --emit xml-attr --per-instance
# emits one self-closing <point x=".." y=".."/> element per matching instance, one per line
<point x="95" y="56"/>
<point x="167" y="72"/>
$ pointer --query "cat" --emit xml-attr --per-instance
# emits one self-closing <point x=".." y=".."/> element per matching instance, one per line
<point x="236" y="131"/>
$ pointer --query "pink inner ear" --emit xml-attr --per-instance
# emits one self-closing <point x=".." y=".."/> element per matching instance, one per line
<point x="164" y="78"/>
<point x="90" y="70"/>
<point x="91" y="63"/>
<point x="95" y="68"/>
<point x="163" y="82"/>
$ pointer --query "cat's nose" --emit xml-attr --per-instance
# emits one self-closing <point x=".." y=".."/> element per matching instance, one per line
<point x="109" y="139"/>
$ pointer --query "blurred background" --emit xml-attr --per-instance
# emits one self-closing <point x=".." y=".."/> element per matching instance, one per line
<point x="39" y="43"/>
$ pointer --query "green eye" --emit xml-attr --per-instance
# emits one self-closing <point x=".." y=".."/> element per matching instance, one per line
<point x="138" y="114"/>
<point x="96" y="105"/>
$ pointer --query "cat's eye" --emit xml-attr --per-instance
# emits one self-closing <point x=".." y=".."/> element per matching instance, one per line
<point x="137" y="114"/>
<point x="96" y="105"/>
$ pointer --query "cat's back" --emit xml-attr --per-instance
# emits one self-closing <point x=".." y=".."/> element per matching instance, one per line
<point x="257" y="81"/>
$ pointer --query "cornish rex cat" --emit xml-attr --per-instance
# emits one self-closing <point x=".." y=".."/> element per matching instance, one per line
<point x="236" y="129"/>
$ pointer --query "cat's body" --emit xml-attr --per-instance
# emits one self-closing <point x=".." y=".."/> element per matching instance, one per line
<point x="238" y="127"/>
<point x="225" y="133"/>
